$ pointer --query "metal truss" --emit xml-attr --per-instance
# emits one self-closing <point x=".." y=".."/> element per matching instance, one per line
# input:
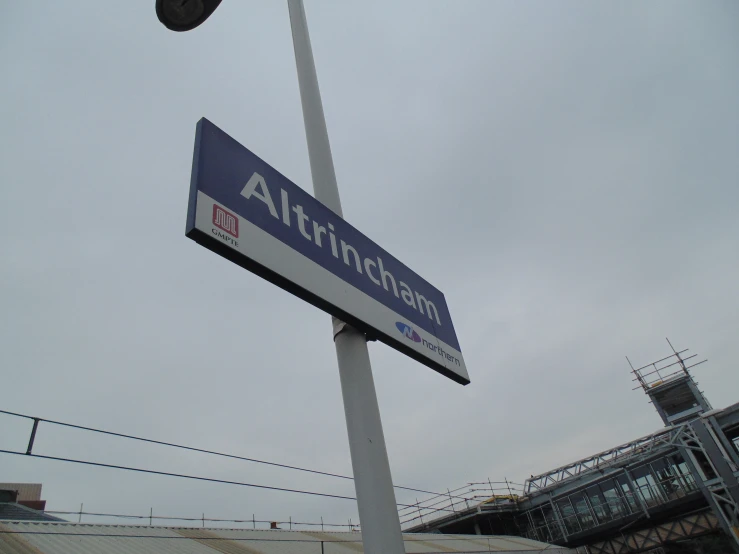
<point x="642" y="446"/>
<point x="726" y="506"/>
<point x="639" y="541"/>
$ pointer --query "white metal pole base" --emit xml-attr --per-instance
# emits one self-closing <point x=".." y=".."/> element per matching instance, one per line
<point x="378" y="511"/>
<point x="373" y="482"/>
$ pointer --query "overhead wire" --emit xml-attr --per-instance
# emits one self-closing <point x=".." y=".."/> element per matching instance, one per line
<point x="210" y="452"/>
<point x="169" y="474"/>
<point x="195" y="477"/>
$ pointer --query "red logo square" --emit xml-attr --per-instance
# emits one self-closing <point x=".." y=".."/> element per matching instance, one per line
<point x="226" y="221"/>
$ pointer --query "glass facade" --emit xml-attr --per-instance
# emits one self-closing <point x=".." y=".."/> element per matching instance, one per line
<point x="608" y="500"/>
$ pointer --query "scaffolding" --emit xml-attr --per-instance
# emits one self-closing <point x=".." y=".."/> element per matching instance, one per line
<point x="642" y="485"/>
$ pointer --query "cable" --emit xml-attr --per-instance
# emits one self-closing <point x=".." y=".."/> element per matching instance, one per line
<point x="155" y="472"/>
<point x="195" y="477"/>
<point x="203" y="451"/>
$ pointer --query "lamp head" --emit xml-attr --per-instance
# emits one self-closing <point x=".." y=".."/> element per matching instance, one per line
<point x="184" y="15"/>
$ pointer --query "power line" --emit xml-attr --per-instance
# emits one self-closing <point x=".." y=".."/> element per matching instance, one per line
<point x="428" y="508"/>
<point x="195" y="477"/>
<point x="204" y="451"/>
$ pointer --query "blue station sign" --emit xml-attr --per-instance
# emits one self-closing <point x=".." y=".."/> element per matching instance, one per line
<point x="246" y="211"/>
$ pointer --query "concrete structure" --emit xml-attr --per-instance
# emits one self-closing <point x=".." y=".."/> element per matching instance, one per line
<point x="677" y="483"/>
<point x="74" y="538"/>
<point x="26" y="491"/>
<point x="25" y="494"/>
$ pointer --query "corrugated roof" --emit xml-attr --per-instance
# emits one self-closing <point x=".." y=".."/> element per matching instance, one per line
<point x="23" y="537"/>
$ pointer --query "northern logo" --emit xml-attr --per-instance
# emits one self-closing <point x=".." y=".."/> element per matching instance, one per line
<point x="408" y="332"/>
<point x="226" y="221"/>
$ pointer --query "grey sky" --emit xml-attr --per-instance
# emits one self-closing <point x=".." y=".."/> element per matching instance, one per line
<point x="566" y="173"/>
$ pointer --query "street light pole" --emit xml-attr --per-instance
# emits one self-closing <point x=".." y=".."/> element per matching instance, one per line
<point x="372" y="479"/>
<point x="378" y="511"/>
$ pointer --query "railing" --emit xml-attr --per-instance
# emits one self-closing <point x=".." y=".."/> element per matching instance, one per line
<point x="503" y="494"/>
<point x="153" y="519"/>
<point x="664" y="370"/>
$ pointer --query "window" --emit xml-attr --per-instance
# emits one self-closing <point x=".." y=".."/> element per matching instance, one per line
<point x="669" y="478"/>
<point x="615" y="504"/>
<point x="527" y="530"/>
<point x="551" y="522"/>
<point x="540" y="526"/>
<point x="569" y="517"/>
<point x="598" y="502"/>
<point x="628" y="494"/>
<point x="584" y="515"/>
<point x="647" y="485"/>
<point x="683" y="474"/>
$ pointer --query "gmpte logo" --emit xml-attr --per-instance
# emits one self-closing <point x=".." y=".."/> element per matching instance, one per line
<point x="408" y="331"/>
<point x="226" y="221"/>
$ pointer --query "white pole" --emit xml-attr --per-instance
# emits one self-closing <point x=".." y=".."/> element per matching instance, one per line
<point x="373" y="482"/>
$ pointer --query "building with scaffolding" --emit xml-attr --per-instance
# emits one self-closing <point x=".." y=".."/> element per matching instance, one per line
<point x="671" y="486"/>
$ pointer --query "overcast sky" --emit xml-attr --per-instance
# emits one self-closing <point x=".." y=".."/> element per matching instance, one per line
<point x="566" y="173"/>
